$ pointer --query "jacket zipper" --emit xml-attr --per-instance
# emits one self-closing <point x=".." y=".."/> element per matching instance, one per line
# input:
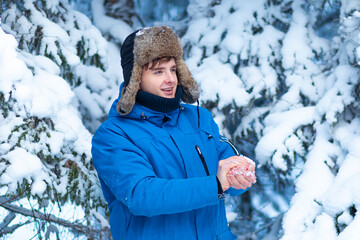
<point x="202" y="159"/>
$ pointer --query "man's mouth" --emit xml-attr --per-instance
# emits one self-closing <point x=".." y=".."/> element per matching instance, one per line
<point x="168" y="91"/>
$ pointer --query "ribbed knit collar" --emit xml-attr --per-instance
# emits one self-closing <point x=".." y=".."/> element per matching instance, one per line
<point x="157" y="103"/>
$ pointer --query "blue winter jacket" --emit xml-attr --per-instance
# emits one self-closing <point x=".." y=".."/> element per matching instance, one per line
<point x="153" y="178"/>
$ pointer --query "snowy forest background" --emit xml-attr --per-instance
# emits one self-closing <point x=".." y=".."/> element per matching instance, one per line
<point x="281" y="77"/>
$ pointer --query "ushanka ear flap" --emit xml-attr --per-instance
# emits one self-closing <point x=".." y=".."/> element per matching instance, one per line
<point x="191" y="90"/>
<point x="128" y="94"/>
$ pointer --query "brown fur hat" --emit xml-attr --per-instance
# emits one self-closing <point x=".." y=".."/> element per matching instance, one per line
<point x="144" y="46"/>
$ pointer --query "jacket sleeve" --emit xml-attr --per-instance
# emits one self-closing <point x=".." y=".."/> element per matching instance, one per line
<point x="130" y="178"/>
<point x="225" y="150"/>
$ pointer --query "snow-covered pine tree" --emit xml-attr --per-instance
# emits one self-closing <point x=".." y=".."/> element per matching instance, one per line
<point x="234" y="51"/>
<point x="282" y="80"/>
<point x="52" y="79"/>
<point x="326" y="202"/>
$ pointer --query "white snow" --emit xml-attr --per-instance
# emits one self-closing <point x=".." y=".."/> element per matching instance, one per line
<point x="233" y="68"/>
<point x="39" y="93"/>
<point x="224" y="86"/>
<point x="281" y="126"/>
<point x="107" y="25"/>
<point x="22" y="165"/>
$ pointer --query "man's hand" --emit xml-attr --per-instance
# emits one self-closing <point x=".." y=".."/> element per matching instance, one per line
<point x="242" y="176"/>
<point x="223" y="170"/>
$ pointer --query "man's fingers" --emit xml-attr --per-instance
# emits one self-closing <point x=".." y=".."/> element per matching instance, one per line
<point x="243" y="181"/>
<point x="239" y="182"/>
<point x="230" y="162"/>
<point x="237" y="171"/>
<point x="234" y="182"/>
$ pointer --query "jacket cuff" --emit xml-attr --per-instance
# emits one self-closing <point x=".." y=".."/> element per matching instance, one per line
<point x="221" y="194"/>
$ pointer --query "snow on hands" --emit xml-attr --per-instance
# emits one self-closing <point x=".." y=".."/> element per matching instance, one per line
<point x="246" y="167"/>
<point x="241" y="172"/>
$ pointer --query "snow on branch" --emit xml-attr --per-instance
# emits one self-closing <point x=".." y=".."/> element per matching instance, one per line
<point x="88" y="231"/>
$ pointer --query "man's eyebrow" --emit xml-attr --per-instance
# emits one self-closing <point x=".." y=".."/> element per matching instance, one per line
<point x="161" y="68"/>
<point x="157" y="68"/>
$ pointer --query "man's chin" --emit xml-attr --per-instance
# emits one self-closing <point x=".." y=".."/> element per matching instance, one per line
<point x="164" y="95"/>
<point x="168" y="96"/>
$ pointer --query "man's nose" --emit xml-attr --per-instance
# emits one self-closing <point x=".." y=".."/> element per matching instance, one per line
<point x="170" y="76"/>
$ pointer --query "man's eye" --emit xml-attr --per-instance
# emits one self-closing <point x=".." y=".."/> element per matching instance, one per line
<point x="158" y="72"/>
<point x="173" y="70"/>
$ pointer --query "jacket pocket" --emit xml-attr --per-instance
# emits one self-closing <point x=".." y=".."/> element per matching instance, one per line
<point x="202" y="160"/>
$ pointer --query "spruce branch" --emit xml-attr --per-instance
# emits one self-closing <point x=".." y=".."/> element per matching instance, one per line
<point x="7" y="220"/>
<point x="36" y="214"/>
<point x="47" y="217"/>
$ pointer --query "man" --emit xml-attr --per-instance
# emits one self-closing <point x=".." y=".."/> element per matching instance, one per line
<point x="162" y="165"/>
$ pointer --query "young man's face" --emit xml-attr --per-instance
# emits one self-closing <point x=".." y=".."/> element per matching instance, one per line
<point x="160" y="80"/>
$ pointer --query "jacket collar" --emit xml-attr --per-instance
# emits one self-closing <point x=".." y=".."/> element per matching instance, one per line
<point x="157" y="118"/>
<point x="143" y="113"/>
